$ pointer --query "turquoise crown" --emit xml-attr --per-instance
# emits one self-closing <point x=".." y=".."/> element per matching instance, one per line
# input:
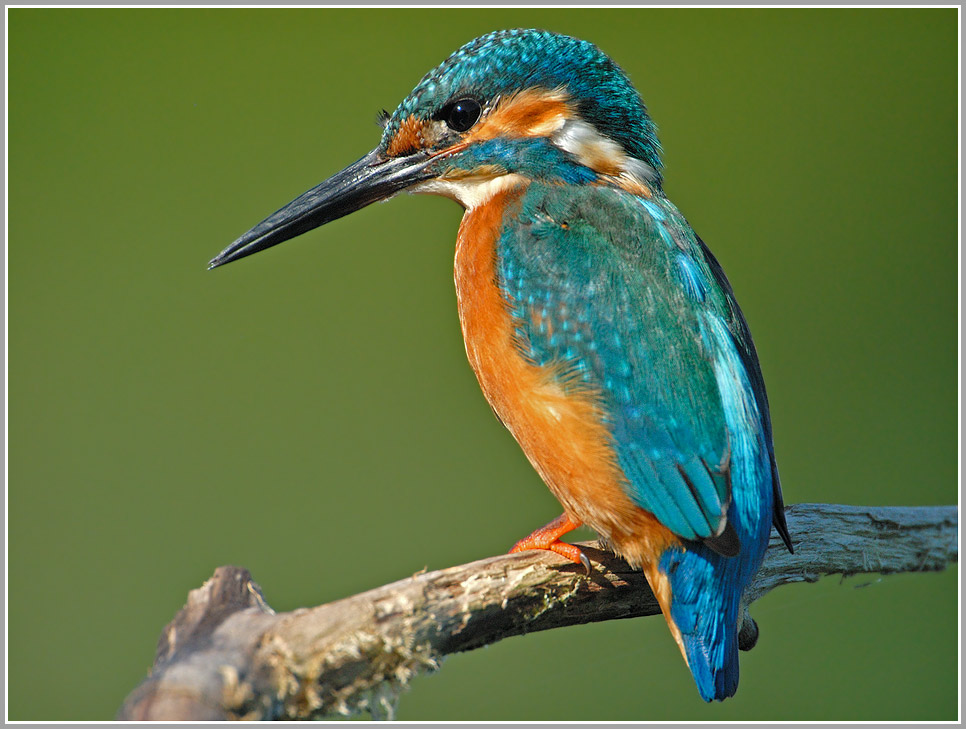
<point x="506" y="61"/>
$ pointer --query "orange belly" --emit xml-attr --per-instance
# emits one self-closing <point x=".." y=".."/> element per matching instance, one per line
<point x="560" y="430"/>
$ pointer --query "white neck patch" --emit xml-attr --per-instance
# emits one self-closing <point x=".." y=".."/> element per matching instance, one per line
<point x="603" y="155"/>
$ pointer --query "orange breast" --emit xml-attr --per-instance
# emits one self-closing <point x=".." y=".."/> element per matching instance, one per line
<point x="560" y="432"/>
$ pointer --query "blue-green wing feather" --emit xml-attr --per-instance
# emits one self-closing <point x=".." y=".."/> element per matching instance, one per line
<point x="601" y="284"/>
<point x="745" y="349"/>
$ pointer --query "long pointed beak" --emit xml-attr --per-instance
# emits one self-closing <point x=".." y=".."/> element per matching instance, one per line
<point x="374" y="177"/>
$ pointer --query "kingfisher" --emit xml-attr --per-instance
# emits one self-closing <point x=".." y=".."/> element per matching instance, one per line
<point x="601" y="328"/>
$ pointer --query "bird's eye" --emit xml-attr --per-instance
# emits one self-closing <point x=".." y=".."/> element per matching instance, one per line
<point x="460" y="115"/>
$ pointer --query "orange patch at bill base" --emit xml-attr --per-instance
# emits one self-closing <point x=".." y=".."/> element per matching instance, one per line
<point x="409" y="138"/>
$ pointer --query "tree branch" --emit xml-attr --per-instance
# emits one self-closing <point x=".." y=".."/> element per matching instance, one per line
<point x="227" y="654"/>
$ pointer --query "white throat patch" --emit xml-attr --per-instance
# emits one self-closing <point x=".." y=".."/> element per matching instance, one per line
<point x="470" y="192"/>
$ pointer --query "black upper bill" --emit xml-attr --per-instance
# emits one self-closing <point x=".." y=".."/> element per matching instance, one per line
<point x="372" y="178"/>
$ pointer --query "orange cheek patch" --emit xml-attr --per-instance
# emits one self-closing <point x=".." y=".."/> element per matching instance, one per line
<point x="529" y="113"/>
<point x="409" y="138"/>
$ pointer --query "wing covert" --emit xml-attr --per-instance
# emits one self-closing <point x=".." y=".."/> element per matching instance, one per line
<point x="603" y="291"/>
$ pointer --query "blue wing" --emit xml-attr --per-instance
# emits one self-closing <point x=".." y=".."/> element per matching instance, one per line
<point x="617" y="291"/>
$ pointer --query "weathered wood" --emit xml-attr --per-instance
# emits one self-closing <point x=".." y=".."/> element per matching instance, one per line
<point x="228" y="655"/>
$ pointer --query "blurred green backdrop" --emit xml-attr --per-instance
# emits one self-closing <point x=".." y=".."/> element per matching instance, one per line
<point x="309" y="413"/>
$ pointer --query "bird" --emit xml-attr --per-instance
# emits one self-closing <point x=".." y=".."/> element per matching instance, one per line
<point x="601" y="328"/>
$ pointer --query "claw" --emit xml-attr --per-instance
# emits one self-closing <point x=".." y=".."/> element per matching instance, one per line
<point x="548" y="537"/>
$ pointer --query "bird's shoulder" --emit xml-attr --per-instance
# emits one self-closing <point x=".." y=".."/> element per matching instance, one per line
<point x="587" y="235"/>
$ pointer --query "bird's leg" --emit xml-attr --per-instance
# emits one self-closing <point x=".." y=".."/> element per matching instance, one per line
<point x="548" y="537"/>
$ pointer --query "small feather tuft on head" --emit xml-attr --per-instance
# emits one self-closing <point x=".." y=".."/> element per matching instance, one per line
<point x="382" y="118"/>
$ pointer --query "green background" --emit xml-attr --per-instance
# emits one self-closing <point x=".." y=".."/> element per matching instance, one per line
<point x="309" y="414"/>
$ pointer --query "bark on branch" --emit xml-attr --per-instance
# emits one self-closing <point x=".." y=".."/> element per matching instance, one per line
<point x="228" y="655"/>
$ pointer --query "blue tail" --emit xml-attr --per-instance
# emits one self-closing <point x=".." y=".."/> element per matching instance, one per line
<point x="704" y="606"/>
<point x="706" y="590"/>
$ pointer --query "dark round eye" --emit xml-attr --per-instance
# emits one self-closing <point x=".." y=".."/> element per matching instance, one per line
<point x="460" y="115"/>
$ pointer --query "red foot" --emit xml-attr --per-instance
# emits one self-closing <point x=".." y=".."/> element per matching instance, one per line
<point x="548" y="537"/>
